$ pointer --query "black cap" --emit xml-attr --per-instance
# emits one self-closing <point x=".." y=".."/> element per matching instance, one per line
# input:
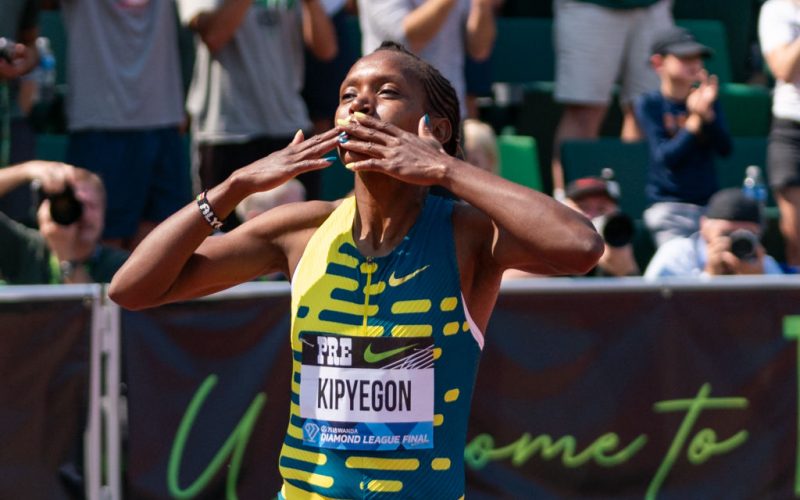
<point x="590" y="186"/>
<point x="732" y="204"/>
<point x="679" y="42"/>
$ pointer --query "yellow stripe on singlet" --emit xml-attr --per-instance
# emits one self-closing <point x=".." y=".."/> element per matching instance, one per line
<point x="304" y="456"/>
<point x="412" y="331"/>
<point x="411" y="306"/>
<point x="290" y="492"/>
<point x="382" y="463"/>
<point x="440" y="464"/>
<point x="384" y="486"/>
<point x="295" y="432"/>
<point x="307" y="477"/>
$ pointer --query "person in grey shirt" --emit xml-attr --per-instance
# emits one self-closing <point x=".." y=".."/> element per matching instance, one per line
<point x="439" y="31"/>
<point x="245" y="96"/>
<point x="124" y="109"/>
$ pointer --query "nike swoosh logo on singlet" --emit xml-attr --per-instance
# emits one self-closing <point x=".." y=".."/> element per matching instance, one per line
<point x="374" y="357"/>
<point x="395" y="281"/>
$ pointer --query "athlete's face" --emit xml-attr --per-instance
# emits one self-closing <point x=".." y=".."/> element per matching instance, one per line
<point x="385" y="86"/>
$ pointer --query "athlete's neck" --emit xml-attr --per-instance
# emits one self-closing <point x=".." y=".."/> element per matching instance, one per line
<point x="386" y="209"/>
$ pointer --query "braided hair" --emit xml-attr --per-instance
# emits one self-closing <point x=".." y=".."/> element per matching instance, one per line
<point x="441" y="97"/>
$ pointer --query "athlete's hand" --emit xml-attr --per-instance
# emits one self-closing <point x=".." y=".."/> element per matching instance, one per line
<point x="413" y="158"/>
<point x="299" y="156"/>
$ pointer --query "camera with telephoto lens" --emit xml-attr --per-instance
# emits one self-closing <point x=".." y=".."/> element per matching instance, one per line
<point x="7" y="49"/>
<point x="744" y="244"/>
<point x="65" y="208"/>
<point x="616" y="228"/>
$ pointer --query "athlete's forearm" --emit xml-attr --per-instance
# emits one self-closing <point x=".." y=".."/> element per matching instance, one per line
<point x="533" y="231"/>
<point x="152" y="272"/>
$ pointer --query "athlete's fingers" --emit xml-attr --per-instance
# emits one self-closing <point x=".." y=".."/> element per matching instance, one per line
<point x="365" y="148"/>
<point x="308" y="165"/>
<point x="317" y="146"/>
<point x="368" y="128"/>
<point x="424" y="127"/>
<point x="298" y="137"/>
<point x="370" y="164"/>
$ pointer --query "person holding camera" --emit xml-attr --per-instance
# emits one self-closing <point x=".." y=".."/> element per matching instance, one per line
<point x="727" y="243"/>
<point x="66" y="248"/>
<point x="597" y="198"/>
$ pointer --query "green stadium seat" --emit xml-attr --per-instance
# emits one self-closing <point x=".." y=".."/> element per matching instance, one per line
<point x="52" y="147"/>
<point x="746" y="151"/>
<point x="519" y="160"/>
<point x="748" y="108"/>
<point x="739" y="18"/>
<point x="583" y="158"/>
<point x="523" y="51"/>
<point x="712" y="33"/>
<point x="52" y="27"/>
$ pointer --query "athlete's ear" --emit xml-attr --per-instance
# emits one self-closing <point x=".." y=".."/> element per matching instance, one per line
<point x="438" y="129"/>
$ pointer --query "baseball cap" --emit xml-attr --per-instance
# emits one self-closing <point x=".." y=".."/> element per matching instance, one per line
<point x="591" y="186"/>
<point x="679" y="42"/>
<point x="732" y="204"/>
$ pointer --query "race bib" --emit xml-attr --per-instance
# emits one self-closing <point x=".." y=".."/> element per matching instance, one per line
<point x="367" y="393"/>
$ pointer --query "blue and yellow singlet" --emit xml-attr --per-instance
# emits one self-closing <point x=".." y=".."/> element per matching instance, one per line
<point x="384" y="362"/>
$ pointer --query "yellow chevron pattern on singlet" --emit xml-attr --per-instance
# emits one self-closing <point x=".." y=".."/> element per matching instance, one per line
<point x="412" y="292"/>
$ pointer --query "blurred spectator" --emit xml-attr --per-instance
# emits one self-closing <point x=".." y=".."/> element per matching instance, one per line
<point x="727" y="243"/>
<point x="779" y="30"/>
<point x="322" y="77"/>
<point x="597" y="198"/>
<point x="258" y="203"/>
<point x="65" y="252"/>
<point x="124" y="109"/>
<point x="439" y="31"/>
<point x="480" y="145"/>
<point x="597" y="42"/>
<point x="18" y="29"/>
<point x="685" y="128"/>
<point x="245" y="99"/>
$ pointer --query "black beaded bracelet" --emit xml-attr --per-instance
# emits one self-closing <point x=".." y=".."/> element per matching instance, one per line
<point x="207" y="212"/>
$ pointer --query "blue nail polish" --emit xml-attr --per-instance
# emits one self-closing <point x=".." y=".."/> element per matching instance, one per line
<point x="343" y="137"/>
<point x="427" y="119"/>
<point x="331" y="158"/>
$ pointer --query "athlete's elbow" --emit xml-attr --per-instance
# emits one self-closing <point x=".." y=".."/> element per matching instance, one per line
<point x="587" y="250"/>
<point x="127" y="296"/>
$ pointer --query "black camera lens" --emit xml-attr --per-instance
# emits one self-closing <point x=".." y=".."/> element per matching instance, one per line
<point x="65" y="209"/>
<point x="616" y="229"/>
<point x="7" y="49"/>
<point x="743" y="244"/>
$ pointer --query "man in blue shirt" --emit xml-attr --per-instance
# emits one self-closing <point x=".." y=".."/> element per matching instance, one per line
<point x="726" y="244"/>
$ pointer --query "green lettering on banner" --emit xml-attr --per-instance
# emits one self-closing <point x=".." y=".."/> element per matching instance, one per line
<point x="791" y="331"/>
<point x="481" y="450"/>
<point x="702" y="446"/>
<point x="234" y="446"/>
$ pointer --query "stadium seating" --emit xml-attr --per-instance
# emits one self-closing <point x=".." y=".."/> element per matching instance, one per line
<point x="519" y="160"/>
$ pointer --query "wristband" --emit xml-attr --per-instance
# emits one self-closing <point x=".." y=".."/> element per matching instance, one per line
<point x="207" y="212"/>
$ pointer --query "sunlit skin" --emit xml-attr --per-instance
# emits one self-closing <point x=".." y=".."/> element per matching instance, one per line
<point x="593" y="206"/>
<point x="616" y="261"/>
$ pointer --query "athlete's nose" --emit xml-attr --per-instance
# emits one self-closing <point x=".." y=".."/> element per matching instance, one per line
<point x="361" y="104"/>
